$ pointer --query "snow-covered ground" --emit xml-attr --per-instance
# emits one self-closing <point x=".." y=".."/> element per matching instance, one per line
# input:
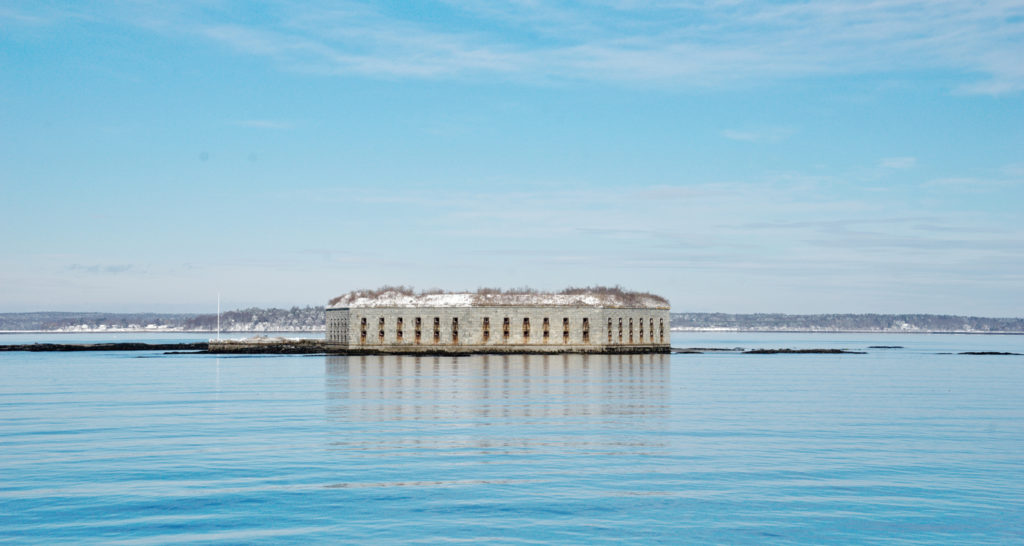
<point x="394" y="298"/>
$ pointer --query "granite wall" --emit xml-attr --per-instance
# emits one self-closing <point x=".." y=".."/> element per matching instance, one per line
<point x="534" y="329"/>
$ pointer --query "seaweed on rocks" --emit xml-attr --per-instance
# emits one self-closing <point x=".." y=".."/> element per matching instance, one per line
<point x="989" y="353"/>
<point x="803" y="351"/>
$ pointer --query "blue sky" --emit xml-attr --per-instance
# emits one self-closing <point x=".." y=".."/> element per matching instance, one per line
<point x="801" y="157"/>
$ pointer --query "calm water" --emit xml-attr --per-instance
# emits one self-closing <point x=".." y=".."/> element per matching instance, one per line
<point x="898" y="445"/>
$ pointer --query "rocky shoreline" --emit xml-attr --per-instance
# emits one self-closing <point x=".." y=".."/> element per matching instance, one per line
<point x="318" y="346"/>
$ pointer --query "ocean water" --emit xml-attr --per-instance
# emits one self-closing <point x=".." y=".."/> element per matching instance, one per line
<point x="896" y="445"/>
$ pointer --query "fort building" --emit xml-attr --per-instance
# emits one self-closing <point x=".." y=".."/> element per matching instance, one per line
<point x="593" y="320"/>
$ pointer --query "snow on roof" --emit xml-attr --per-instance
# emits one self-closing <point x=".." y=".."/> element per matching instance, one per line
<point x="589" y="297"/>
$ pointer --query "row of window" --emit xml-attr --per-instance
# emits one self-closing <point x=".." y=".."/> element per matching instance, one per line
<point x="506" y="330"/>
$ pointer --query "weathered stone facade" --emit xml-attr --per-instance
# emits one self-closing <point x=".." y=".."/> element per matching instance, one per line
<point x="498" y="329"/>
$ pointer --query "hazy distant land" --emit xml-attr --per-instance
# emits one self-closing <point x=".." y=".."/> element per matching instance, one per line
<point x="311" y="319"/>
<point x="835" y="322"/>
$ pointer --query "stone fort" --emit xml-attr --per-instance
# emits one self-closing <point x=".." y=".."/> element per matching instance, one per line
<point x="589" y="320"/>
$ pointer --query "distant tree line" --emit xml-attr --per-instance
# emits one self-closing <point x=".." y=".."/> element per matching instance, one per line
<point x="256" y="319"/>
<point x="59" y="320"/>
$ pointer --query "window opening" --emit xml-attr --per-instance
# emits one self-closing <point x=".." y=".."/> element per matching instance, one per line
<point x="586" y="330"/>
<point x="526" y="328"/>
<point x="661" y="330"/>
<point x="547" y="329"/>
<point x="565" y="330"/>
<point x="437" y="329"/>
<point x="362" y="330"/>
<point x="620" y="329"/>
<point x="631" y="330"/>
<point x="417" y="331"/>
<point x="609" y="330"/>
<point x="380" y="330"/>
<point x="505" y="329"/>
<point x="487" y="329"/>
<point x="455" y="329"/>
<point x="398" y="328"/>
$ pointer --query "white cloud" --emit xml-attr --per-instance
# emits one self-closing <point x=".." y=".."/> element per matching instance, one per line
<point x="17" y="17"/>
<point x="108" y="269"/>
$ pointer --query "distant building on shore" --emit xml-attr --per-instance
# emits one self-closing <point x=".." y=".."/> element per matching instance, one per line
<point x="589" y="320"/>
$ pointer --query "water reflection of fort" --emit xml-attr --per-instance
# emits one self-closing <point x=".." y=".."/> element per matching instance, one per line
<point x="495" y="388"/>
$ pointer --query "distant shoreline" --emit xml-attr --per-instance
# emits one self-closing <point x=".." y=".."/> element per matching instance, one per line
<point x="160" y="332"/>
<point x="311" y="320"/>
<point x="795" y="331"/>
<point x="676" y="329"/>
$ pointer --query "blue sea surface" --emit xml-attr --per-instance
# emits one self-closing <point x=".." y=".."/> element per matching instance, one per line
<point x="896" y="445"/>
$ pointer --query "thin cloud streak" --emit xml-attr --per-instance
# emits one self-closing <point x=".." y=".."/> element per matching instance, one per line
<point x="757" y="135"/>
<point x="673" y="44"/>
<point x="899" y="162"/>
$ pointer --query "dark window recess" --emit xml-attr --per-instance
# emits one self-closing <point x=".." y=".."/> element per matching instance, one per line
<point x="609" y="330"/>
<point x="487" y="328"/>
<point x="505" y="329"/>
<point x="455" y="329"/>
<point x="547" y="328"/>
<point x="661" y="330"/>
<point x="651" y="330"/>
<point x="631" y="330"/>
<point x="362" y="330"/>
<point x="526" y="328"/>
<point x="398" y="328"/>
<point x="380" y="329"/>
<point x="620" y="329"/>
<point x="586" y="330"/>
<point x="565" y="330"/>
<point x="418" y="332"/>
<point x="437" y="329"/>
